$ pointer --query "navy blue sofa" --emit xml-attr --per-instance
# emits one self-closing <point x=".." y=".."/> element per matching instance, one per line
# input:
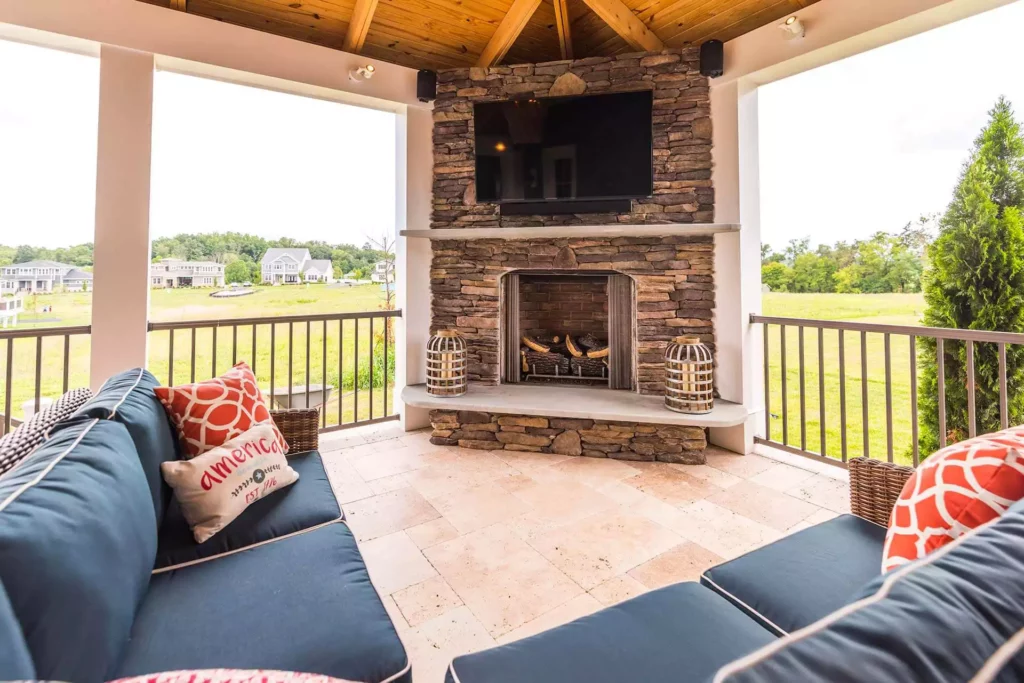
<point x="100" y="577"/>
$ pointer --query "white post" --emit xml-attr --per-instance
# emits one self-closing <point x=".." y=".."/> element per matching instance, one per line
<point x="414" y="190"/>
<point x="120" y="310"/>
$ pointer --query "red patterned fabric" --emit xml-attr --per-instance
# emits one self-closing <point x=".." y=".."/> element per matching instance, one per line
<point x="957" y="489"/>
<point x="216" y="410"/>
<point x="231" y="676"/>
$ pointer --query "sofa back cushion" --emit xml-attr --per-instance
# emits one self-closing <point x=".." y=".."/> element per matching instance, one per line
<point x="77" y="545"/>
<point x="956" y="615"/>
<point x="15" y="660"/>
<point x="128" y="398"/>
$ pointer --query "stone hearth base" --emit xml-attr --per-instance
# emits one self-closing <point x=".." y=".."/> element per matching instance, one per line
<point x="592" y="438"/>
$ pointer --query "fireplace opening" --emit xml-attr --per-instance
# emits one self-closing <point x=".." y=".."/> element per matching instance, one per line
<point x="568" y="328"/>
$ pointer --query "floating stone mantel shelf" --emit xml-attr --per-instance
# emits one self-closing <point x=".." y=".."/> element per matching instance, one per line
<point x="574" y="402"/>
<point x="570" y="231"/>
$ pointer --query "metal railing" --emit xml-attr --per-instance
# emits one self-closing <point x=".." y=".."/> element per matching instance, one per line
<point x="877" y="351"/>
<point x="349" y="355"/>
<point x="52" y="369"/>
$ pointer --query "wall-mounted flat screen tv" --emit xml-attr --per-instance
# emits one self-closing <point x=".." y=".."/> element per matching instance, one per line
<point x="562" y="149"/>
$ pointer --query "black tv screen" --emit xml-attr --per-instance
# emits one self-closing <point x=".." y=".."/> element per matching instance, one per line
<point x="564" y="148"/>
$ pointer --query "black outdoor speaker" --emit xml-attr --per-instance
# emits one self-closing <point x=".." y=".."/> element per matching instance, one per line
<point x="426" y="85"/>
<point x="712" y="59"/>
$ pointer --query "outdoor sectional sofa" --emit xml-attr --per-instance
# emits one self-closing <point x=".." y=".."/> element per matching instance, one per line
<point x="100" y="577"/>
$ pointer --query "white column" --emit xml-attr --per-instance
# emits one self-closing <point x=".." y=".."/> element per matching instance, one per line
<point x="414" y="197"/>
<point x="120" y="309"/>
<point x="738" y="259"/>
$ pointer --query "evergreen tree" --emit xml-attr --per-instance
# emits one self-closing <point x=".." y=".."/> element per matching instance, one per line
<point x="977" y="282"/>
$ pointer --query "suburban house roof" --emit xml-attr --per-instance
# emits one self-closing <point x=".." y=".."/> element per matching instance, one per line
<point x="77" y="274"/>
<point x="274" y="253"/>
<point x="319" y="265"/>
<point x="40" y="264"/>
<point x="441" y="34"/>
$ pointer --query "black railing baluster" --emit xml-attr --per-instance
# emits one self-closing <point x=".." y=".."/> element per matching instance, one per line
<point x="67" y="363"/>
<point x="913" y="401"/>
<point x="821" y="389"/>
<point x="803" y="398"/>
<point x="386" y="321"/>
<point x="213" y="361"/>
<point x="307" y="363"/>
<point x="323" y="376"/>
<point x="39" y="371"/>
<point x="341" y="372"/>
<point x="940" y="356"/>
<point x="192" y="358"/>
<point x="785" y="394"/>
<point x="355" y="393"/>
<point x="373" y="350"/>
<point x="170" y="358"/>
<point x="842" y="391"/>
<point x="8" y="385"/>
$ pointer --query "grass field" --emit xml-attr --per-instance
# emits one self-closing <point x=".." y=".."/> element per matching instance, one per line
<point x="337" y="368"/>
<point x="894" y="309"/>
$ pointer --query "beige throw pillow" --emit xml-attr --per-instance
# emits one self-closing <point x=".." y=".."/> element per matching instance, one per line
<point x="217" y="486"/>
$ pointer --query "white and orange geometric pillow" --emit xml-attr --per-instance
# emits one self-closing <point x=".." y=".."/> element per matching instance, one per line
<point x="213" y="411"/>
<point x="231" y="676"/>
<point x="957" y="489"/>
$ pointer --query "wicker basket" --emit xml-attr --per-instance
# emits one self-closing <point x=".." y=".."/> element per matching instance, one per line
<point x="875" y="487"/>
<point x="446" y="364"/>
<point x="300" y="428"/>
<point x="689" y="377"/>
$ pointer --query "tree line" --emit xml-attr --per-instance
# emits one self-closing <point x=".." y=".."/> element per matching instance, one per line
<point x="881" y="264"/>
<point x="228" y="248"/>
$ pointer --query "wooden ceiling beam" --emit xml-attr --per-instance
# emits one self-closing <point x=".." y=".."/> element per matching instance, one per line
<point x="508" y="30"/>
<point x="179" y="5"/>
<point x="622" y="20"/>
<point x="562" y="25"/>
<point x="362" y="15"/>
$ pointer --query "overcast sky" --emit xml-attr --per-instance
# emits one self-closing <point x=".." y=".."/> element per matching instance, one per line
<point x="876" y="140"/>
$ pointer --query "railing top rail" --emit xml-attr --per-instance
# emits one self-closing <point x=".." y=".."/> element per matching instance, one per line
<point x="983" y="336"/>
<point x="231" y="322"/>
<point x="45" y="332"/>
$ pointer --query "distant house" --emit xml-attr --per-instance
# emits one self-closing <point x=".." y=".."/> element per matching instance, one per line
<point x="42" y="277"/>
<point x="383" y="271"/>
<point x="172" y="272"/>
<point x="287" y="266"/>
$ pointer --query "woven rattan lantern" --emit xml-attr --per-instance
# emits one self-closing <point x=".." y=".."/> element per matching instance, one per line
<point x="446" y="364"/>
<point x="689" y="376"/>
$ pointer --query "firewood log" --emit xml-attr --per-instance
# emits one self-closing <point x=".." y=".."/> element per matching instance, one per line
<point x="574" y="349"/>
<point x="536" y="345"/>
<point x="599" y="352"/>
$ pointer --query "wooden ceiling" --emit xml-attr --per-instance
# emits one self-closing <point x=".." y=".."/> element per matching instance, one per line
<point x="440" y="34"/>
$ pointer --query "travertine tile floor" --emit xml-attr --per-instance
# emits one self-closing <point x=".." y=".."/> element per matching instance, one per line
<point x="476" y="548"/>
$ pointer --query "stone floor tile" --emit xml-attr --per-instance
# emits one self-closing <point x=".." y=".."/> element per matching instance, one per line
<point x="782" y="477"/>
<point x="435" y="643"/>
<point x="825" y="492"/>
<point x="764" y="505"/>
<point x="595" y="471"/>
<point x="445" y="472"/>
<point x="388" y="513"/>
<point x="431" y="533"/>
<point x="363" y="449"/>
<point x="388" y="463"/>
<point x="722" y="531"/>
<point x="480" y="506"/>
<point x="401" y="625"/>
<point x="580" y="606"/>
<point x="503" y="580"/>
<point x="515" y="482"/>
<point x="671" y="485"/>
<point x="425" y="600"/>
<point x="558" y="503"/>
<point x="618" y="589"/>
<point x="743" y="466"/>
<point x="686" y="562"/>
<point x="348" y="485"/>
<point x="715" y="477"/>
<point x="395" y="562"/>
<point x="593" y="550"/>
<point x="530" y="462"/>
<point x="387" y="484"/>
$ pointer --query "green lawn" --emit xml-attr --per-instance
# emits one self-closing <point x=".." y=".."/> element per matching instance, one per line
<point x="895" y="309"/>
<point x="337" y="368"/>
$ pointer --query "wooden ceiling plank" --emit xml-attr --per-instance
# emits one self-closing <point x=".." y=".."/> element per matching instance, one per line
<point x="362" y="15"/>
<point x="508" y="30"/>
<point x="179" y="5"/>
<point x="564" y="28"/>
<point x="622" y="20"/>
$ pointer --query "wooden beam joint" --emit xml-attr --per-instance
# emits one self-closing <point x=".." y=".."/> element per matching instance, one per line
<point x="622" y="20"/>
<point x="562" y="25"/>
<point x="508" y="31"/>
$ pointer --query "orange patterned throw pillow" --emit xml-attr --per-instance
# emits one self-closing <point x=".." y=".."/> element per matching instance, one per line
<point x="957" y="489"/>
<point x="214" y="411"/>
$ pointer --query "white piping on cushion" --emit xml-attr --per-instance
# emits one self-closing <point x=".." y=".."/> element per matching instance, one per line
<point x="730" y="596"/>
<point x="455" y="676"/>
<point x="994" y="665"/>
<point x="408" y="663"/>
<point x="47" y="469"/>
<point x="843" y="612"/>
<point x="113" y="411"/>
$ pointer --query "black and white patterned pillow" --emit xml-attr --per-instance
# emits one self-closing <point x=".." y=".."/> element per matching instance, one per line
<point x="26" y="438"/>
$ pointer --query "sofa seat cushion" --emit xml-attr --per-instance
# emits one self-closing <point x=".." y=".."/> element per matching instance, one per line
<point x="129" y="398"/>
<point x="955" y="615"/>
<point x="307" y="503"/>
<point x="303" y="603"/>
<point x="682" y="632"/>
<point x="802" y="577"/>
<point x="77" y="543"/>
<point x="15" y="659"/>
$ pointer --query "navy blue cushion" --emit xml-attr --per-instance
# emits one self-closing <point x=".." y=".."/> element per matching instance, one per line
<point x="304" y="504"/>
<point x="943" y="618"/>
<point x="128" y="398"/>
<point x="802" y="577"/>
<point x="303" y="603"/>
<point x="77" y="543"/>
<point x="682" y="632"/>
<point x="15" y="659"/>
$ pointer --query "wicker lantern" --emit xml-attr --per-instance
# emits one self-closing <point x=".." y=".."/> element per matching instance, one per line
<point x="446" y="364"/>
<point x="689" y="376"/>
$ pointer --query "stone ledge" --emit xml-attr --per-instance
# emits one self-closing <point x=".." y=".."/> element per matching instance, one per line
<point x="575" y="403"/>
<point x="556" y="231"/>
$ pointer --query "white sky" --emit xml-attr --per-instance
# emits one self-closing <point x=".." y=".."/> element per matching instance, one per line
<point x="876" y="140"/>
<point x="225" y="157"/>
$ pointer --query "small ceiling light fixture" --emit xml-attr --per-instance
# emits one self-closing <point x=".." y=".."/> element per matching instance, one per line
<point x="362" y="73"/>
<point x="500" y="147"/>
<point x="793" y="28"/>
